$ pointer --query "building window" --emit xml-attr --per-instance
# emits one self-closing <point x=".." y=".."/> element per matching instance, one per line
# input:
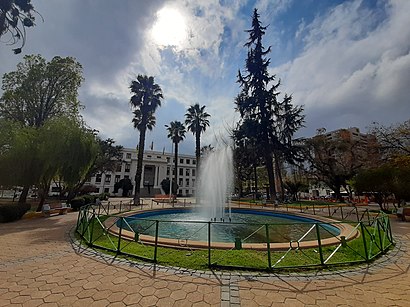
<point x="128" y="155"/>
<point x="187" y="172"/>
<point x="180" y="182"/>
<point x="107" y="178"/>
<point x="193" y="183"/>
<point x="98" y="178"/>
<point x="168" y="159"/>
<point x="126" y="177"/>
<point x="193" y="173"/>
<point x="187" y="182"/>
<point x="127" y="167"/>
<point x="117" y="178"/>
<point x="180" y="192"/>
<point x="159" y="157"/>
<point x="119" y="167"/>
<point x="181" y="160"/>
<point x="181" y="171"/>
<point x="194" y="162"/>
<point x="188" y="161"/>
<point x="107" y="190"/>
<point x="187" y="192"/>
<point x="167" y="171"/>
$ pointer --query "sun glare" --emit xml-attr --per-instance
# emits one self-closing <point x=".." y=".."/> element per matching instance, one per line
<point x="170" y="28"/>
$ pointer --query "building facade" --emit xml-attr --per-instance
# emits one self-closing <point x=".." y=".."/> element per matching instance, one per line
<point x="156" y="166"/>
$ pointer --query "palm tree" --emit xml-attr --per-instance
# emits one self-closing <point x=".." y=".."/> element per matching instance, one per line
<point x="145" y="100"/>
<point x="197" y="121"/>
<point x="176" y="132"/>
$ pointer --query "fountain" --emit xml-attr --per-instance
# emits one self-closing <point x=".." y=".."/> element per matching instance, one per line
<point x="215" y="185"/>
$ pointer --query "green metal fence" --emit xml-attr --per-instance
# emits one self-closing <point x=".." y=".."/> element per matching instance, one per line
<point x="96" y="224"/>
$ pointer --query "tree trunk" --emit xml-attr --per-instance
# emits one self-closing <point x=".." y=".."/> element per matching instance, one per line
<point x="198" y="157"/>
<point x="138" y="173"/>
<point x="278" y="177"/>
<point x="176" y="166"/>
<point x="23" y="195"/>
<point x="256" y="181"/>
<point x="271" y="177"/>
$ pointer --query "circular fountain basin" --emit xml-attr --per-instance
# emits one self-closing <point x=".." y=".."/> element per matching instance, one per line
<point x="184" y="228"/>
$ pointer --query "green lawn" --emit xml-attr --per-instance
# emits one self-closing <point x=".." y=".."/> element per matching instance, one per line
<point x="353" y="252"/>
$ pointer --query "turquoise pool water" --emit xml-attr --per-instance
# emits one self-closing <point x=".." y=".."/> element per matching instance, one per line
<point x="249" y="225"/>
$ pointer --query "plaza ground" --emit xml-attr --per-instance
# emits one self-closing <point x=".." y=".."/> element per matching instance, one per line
<point x="40" y="265"/>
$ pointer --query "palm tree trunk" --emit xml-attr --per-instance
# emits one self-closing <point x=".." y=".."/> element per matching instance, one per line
<point x="176" y="167"/>
<point x="138" y="173"/>
<point x="197" y="167"/>
<point x="197" y="150"/>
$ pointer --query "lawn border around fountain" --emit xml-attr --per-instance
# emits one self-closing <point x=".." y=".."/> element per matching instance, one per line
<point x="346" y="231"/>
<point x="95" y="226"/>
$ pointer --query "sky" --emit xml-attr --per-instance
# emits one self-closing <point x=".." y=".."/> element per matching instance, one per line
<point x="346" y="61"/>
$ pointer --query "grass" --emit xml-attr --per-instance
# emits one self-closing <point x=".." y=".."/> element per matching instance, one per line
<point x="353" y="252"/>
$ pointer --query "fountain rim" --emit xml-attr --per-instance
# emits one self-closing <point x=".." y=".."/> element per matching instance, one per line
<point x="346" y="230"/>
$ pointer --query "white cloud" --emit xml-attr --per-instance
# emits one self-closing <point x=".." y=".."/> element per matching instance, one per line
<point x="353" y="67"/>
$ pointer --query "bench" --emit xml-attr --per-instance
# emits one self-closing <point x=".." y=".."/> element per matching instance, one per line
<point x="163" y="198"/>
<point x="403" y="212"/>
<point x="47" y="210"/>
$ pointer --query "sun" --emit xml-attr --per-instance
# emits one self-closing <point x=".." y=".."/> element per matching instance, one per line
<point x="170" y="28"/>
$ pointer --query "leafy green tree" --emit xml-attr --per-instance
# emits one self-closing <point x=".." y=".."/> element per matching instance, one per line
<point x="273" y="123"/>
<point x="15" y="17"/>
<point x="125" y="184"/>
<point x="40" y="90"/>
<point x="146" y="98"/>
<point x="166" y="186"/>
<point x="35" y="93"/>
<point x="176" y="132"/>
<point x="196" y="121"/>
<point x="67" y="151"/>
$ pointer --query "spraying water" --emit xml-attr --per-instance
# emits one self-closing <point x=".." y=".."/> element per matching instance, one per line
<point x="215" y="185"/>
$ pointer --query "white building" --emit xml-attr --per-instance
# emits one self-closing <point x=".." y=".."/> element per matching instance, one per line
<point x="156" y="166"/>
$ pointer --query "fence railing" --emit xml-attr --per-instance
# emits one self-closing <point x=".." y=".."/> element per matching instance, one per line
<point x="105" y="226"/>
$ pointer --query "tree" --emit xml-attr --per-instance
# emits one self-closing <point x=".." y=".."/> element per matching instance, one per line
<point x="166" y="186"/>
<point x="67" y="151"/>
<point x="40" y="90"/>
<point x="273" y="123"/>
<point x="15" y="17"/>
<point x="196" y="121"/>
<point x="146" y="98"/>
<point x="335" y="161"/>
<point x="176" y="132"/>
<point x="125" y="184"/>
<point x="394" y="141"/>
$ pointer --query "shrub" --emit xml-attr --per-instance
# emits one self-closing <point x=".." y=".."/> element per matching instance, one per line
<point x="77" y="202"/>
<point x="13" y="212"/>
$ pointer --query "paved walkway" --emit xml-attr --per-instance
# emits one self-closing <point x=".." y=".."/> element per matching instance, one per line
<point x="39" y="266"/>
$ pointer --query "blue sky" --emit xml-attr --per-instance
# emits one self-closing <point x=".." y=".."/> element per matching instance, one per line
<point x="347" y="62"/>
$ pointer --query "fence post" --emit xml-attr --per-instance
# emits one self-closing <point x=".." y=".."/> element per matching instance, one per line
<point x="328" y="209"/>
<point x="92" y="227"/>
<point x="314" y="211"/>
<point x="209" y="244"/>
<point x="341" y="211"/>
<point x="268" y="246"/>
<point x="380" y="236"/>
<point x="366" y="252"/>
<point x="119" y="237"/>
<point x="357" y="213"/>
<point x="156" y="241"/>
<point x="319" y="242"/>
